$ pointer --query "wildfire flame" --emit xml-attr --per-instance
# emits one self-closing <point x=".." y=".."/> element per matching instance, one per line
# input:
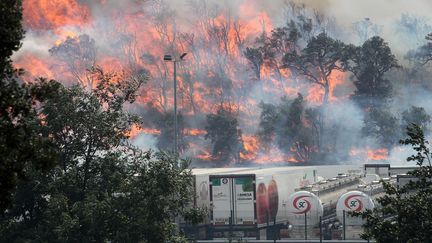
<point x="134" y="39"/>
<point x="377" y="154"/>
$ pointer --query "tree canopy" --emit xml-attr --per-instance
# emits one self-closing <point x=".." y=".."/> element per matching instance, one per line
<point x="225" y="135"/>
<point x="368" y="64"/>
<point x="20" y="145"/>
<point x="292" y="126"/>
<point x="101" y="188"/>
<point x="11" y="32"/>
<point x="317" y="61"/>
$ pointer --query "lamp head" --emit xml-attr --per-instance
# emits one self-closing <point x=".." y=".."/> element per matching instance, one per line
<point x="167" y="58"/>
<point x="183" y="55"/>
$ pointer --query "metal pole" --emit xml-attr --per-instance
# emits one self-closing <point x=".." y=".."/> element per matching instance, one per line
<point x="320" y="225"/>
<point x="344" y="227"/>
<point x="175" y="107"/>
<point x="305" y="226"/>
<point x="275" y="230"/>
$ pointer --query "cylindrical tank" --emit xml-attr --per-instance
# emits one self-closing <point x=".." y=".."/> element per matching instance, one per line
<point x="303" y="204"/>
<point x="353" y="201"/>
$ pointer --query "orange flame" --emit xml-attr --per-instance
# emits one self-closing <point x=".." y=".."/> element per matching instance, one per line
<point x="34" y="67"/>
<point x="132" y="33"/>
<point x="136" y="130"/>
<point x="251" y="147"/>
<point x="377" y="154"/>
<point x="53" y="14"/>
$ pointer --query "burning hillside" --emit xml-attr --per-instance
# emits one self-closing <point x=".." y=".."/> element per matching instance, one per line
<point x="252" y="88"/>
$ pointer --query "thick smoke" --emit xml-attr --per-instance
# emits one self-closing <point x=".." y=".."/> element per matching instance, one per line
<point x="134" y="35"/>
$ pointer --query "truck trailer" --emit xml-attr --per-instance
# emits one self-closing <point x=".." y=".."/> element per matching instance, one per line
<point x="253" y="203"/>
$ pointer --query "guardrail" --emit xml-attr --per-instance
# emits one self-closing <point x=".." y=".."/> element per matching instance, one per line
<point x="281" y="241"/>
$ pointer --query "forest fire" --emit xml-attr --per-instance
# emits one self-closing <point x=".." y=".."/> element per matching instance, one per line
<point x="238" y="68"/>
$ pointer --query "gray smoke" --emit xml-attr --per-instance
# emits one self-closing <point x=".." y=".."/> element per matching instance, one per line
<point x="401" y="23"/>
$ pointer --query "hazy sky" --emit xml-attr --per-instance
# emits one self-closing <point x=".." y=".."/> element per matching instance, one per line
<point x="382" y="11"/>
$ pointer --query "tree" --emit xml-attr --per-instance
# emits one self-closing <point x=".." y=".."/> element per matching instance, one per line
<point x="79" y="56"/>
<point x="281" y="41"/>
<point x="267" y="126"/>
<point x="368" y="64"/>
<point x="366" y="28"/>
<point x="295" y="131"/>
<point x="423" y="54"/>
<point x="101" y="189"/>
<point x="225" y="135"/>
<point x="11" y="32"/>
<point x="405" y="214"/>
<point x="301" y="25"/>
<point x="20" y="145"/>
<point x="416" y="115"/>
<point x="411" y="29"/>
<point x="383" y="126"/>
<point x="291" y="126"/>
<point x="165" y="122"/>
<point x="256" y="59"/>
<point x="317" y="61"/>
<point x="134" y="198"/>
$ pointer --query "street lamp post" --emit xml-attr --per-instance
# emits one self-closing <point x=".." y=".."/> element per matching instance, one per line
<point x="169" y="58"/>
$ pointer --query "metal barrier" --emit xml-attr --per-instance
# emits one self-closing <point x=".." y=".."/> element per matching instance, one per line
<point x="282" y="241"/>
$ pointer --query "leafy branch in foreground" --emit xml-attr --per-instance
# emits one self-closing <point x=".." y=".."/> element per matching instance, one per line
<point x="404" y="213"/>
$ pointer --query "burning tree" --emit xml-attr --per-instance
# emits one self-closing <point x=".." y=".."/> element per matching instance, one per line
<point x="79" y="56"/>
<point x="316" y="62"/>
<point x="255" y="57"/>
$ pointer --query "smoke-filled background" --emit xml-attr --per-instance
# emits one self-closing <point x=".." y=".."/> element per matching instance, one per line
<point x="247" y="92"/>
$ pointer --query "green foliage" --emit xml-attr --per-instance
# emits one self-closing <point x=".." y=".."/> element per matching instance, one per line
<point x="368" y="64"/>
<point x="11" y="33"/>
<point x="225" y="135"/>
<point x="195" y="215"/>
<point x="101" y="189"/>
<point x="404" y="214"/>
<point x="133" y="198"/>
<point x="20" y="145"/>
<point x="417" y="140"/>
